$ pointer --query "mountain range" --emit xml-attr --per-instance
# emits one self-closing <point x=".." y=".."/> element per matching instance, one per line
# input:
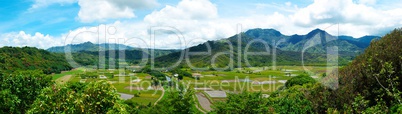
<point x="287" y="50"/>
<point x="318" y="37"/>
<point x="309" y="49"/>
<point x="88" y="46"/>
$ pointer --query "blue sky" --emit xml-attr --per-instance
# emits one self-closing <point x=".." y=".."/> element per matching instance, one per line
<point x="46" y="23"/>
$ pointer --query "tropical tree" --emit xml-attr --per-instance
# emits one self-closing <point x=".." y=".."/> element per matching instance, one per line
<point x="96" y="97"/>
<point x="20" y="89"/>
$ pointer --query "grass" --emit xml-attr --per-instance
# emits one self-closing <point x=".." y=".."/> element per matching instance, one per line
<point x="211" y="79"/>
<point x="120" y="83"/>
<point x="146" y="98"/>
<point x="71" y="72"/>
<point x="63" y="79"/>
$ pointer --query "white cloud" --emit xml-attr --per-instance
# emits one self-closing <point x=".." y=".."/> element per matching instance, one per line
<point x="288" y="4"/>
<point x="198" y="21"/>
<point x="354" y="19"/>
<point x="128" y="33"/>
<point x="368" y="2"/>
<point x="23" y="39"/>
<point x="102" y="10"/>
<point x="195" y="19"/>
<point x="185" y="10"/>
<point x="287" y="7"/>
<point x="45" y="3"/>
<point x="135" y="4"/>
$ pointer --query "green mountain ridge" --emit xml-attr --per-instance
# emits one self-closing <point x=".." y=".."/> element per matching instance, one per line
<point x="30" y="58"/>
<point x="320" y="37"/>
<point x="288" y="49"/>
<point x="88" y="53"/>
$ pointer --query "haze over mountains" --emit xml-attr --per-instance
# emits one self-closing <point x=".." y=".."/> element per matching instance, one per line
<point x="88" y="46"/>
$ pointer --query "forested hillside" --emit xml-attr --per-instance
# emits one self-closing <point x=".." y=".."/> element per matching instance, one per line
<point x="89" y="54"/>
<point x="375" y="76"/>
<point x="30" y="58"/>
<point x="86" y="58"/>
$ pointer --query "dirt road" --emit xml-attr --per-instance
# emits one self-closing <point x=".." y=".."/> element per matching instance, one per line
<point x="63" y="79"/>
<point x="204" y="102"/>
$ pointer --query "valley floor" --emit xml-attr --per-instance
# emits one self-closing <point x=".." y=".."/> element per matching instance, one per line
<point x="211" y="86"/>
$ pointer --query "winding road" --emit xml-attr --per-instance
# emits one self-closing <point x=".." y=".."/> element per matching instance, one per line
<point x="163" y="93"/>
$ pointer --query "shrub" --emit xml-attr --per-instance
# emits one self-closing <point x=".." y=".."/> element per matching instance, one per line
<point x="300" y="80"/>
<point x="21" y="89"/>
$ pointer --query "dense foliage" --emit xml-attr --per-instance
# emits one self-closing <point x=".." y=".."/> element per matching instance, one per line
<point x="243" y="103"/>
<point x="375" y="75"/>
<point x="296" y="99"/>
<point x="291" y="100"/>
<point x="96" y="97"/>
<point x="299" y="80"/>
<point x="20" y="89"/>
<point x="29" y="58"/>
<point x="155" y="73"/>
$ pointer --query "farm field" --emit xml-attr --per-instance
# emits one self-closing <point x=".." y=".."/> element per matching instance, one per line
<point x="139" y="85"/>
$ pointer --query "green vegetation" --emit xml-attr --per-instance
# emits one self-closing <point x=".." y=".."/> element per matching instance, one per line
<point x="299" y="80"/>
<point x="244" y="103"/>
<point x="96" y="97"/>
<point x="28" y="58"/>
<point x="20" y="89"/>
<point x="369" y="84"/>
<point x="345" y="44"/>
<point x="87" y="54"/>
<point x="221" y="47"/>
<point x="374" y="75"/>
<point x="181" y="73"/>
<point x="72" y="72"/>
<point x="176" y="101"/>
<point x="155" y="73"/>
